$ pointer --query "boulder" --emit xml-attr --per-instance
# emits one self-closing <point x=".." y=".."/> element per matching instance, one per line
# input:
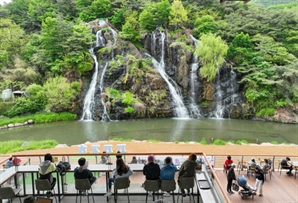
<point x="10" y="125"/>
<point x="18" y="124"/>
<point x="30" y="121"/>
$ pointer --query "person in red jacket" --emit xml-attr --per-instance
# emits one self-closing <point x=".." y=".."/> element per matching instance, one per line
<point x="228" y="163"/>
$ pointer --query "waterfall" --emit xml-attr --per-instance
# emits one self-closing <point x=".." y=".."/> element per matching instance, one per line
<point x="89" y="101"/>
<point x="194" y="85"/>
<point x="178" y="104"/>
<point x="89" y="98"/>
<point x="219" y="101"/>
<point x="226" y="95"/>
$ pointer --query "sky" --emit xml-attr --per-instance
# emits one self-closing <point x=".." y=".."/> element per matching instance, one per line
<point x="2" y="1"/>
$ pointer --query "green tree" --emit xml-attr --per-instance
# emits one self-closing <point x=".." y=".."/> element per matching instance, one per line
<point x="60" y="94"/>
<point x="211" y="50"/>
<point x="118" y="18"/>
<point x="204" y="25"/>
<point x="178" y="14"/>
<point x="98" y="9"/>
<point x="11" y="41"/>
<point x="241" y="49"/>
<point x="130" y="29"/>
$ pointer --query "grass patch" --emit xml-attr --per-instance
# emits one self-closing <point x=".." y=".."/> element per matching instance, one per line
<point x="39" y="118"/>
<point x="274" y="142"/>
<point x="176" y="142"/>
<point x="203" y="141"/>
<point x="219" y="142"/>
<point x="16" y="145"/>
<point x="153" y="141"/>
<point x="240" y="142"/>
<point x="121" y="139"/>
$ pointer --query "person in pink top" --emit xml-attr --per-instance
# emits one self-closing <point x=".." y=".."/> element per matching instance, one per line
<point x="228" y="163"/>
<point x="16" y="161"/>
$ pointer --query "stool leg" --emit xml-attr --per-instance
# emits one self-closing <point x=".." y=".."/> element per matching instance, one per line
<point x="146" y="196"/>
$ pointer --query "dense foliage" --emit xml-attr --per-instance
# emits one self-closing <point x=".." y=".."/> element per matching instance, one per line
<point x="42" y="42"/>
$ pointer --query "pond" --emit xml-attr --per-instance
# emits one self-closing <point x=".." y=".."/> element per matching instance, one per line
<point x="77" y="132"/>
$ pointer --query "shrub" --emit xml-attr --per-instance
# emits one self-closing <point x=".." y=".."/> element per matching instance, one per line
<point x="203" y="141"/>
<point x="239" y="142"/>
<point x="219" y="142"/>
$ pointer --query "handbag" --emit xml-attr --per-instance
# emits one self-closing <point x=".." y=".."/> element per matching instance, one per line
<point x="235" y="186"/>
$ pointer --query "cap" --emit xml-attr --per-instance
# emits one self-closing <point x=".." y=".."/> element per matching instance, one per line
<point x="151" y="158"/>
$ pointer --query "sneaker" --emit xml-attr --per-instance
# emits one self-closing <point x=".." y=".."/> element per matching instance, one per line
<point x="166" y="194"/>
<point x="150" y="194"/>
<point x="260" y="195"/>
<point x="108" y="194"/>
<point x="183" y="195"/>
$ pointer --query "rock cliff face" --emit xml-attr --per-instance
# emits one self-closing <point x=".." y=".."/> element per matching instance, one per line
<point x="131" y="69"/>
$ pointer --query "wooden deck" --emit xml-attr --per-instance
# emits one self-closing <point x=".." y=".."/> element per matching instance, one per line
<point x="280" y="189"/>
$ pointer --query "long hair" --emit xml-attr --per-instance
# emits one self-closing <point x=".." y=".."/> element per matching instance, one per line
<point x="192" y="157"/>
<point x="122" y="168"/>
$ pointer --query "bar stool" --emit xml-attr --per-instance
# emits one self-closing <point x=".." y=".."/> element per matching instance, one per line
<point x="168" y="186"/>
<point x="44" y="185"/>
<point x="186" y="183"/>
<point x="151" y="186"/>
<point x="121" y="183"/>
<point x="83" y="185"/>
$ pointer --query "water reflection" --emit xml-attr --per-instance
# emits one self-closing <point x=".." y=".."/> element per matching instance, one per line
<point x="76" y="132"/>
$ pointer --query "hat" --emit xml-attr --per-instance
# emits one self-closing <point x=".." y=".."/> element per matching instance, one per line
<point x="151" y="158"/>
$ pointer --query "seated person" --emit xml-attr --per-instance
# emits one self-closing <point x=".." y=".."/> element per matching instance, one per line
<point x="104" y="158"/>
<point x="243" y="183"/>
<point x="252" y="163"/>
<point x="288" y="164"/>
<point x="119" y="156"/>
<point x="134" y="160"/>
<point x="151" y="170"/>
<point x="188" y="169"/>
<point x="45" y="170"/>
<point x="228" y="163"/>
<point x="168" y="171"/>
<point x="82" y="172"/>
<point x="121" y="171"/>
<point x="16" y="161"/>
<point x="267" y="165"/>
<point x="9" y="162"/>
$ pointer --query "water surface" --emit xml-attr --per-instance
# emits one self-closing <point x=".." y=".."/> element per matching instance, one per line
<point x="77" y="132"/>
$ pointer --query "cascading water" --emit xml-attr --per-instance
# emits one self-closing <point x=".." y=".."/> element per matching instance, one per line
<point x="89" y="102"/>
<point x="89" y="98"/>
<point x="227" y="96"/>
<point x="180" y="109"/>
<point x="194" y="85"/>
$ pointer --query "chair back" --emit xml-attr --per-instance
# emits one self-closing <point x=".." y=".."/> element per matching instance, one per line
<point x="121" y="183"/>
<point x="168" y="185"/>
<point x="6" y="193"/>
<point x="43" y="200"/>
<point x="186" y="182"/>
<point x="251" y="168"/>
<point x="151" y="185"/>
<point x="42" y="184"/>
<point x="82" y="184"/>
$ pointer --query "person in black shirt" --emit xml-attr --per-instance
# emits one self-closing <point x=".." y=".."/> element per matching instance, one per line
<point x="151" y="170"/>
<point x="231" y="176"/>
<point x="259" y="180"/>
<point x="82" y="172"/>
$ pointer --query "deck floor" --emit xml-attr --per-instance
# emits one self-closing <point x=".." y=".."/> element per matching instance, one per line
<point x="280" y="189"/>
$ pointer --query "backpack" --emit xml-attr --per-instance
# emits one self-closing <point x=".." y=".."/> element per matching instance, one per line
<point x="62" y="167"/>
<point x="283" y="162"/>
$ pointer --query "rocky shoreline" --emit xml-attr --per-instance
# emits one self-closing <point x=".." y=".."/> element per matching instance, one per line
<point x="13" y="125"/>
